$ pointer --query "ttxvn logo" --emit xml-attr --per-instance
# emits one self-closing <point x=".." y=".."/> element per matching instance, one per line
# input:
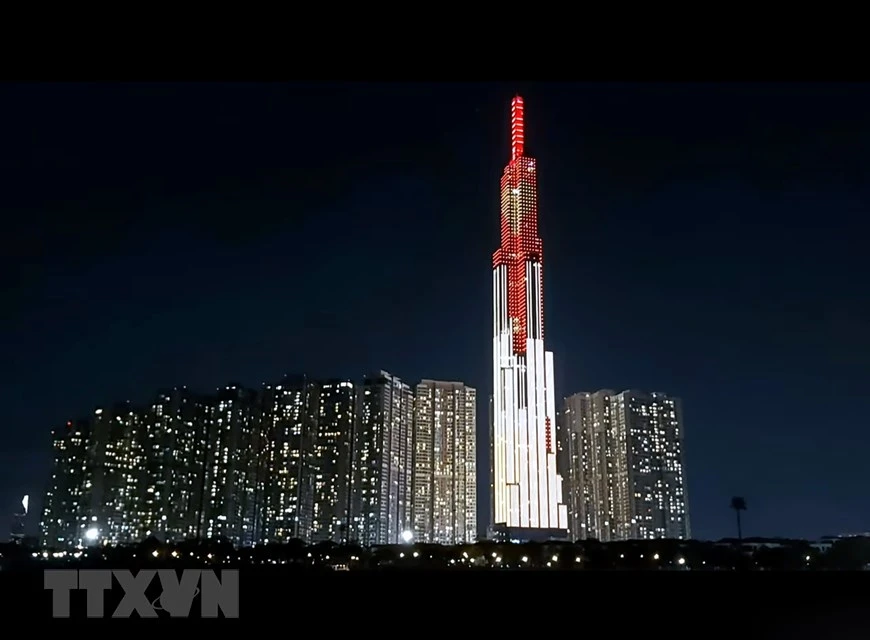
<point x="176" y="596"/>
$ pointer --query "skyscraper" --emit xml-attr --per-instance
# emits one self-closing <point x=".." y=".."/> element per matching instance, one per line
<point x="175" y="464"/>
<point x="624" y="466"/>
<point x="63" y="503"/>
<point x="19" y="520"/>
<point x="288" y="422"/>
<point x="112" y="491"/>
<point x="445" y="467"/>
<point x="231" y="428"/>
<point x="589" y="447"/>
<point x="527" y="492"/>
<point x="382" y="461"/>
<point x="332" y="460"/>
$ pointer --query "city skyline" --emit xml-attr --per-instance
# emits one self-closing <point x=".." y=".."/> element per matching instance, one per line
<point x="376" y="461"/>
<point x="371" y="462"/>
<point x="702" y="240"/>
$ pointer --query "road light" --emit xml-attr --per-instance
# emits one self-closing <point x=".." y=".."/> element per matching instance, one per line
<point x="407" y="536"/>
<point x="92" y="534"/>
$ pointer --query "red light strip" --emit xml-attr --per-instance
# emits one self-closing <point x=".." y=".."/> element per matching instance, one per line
<point x="518" y="131"/>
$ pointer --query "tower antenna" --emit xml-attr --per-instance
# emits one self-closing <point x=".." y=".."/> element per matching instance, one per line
<point x="518" y="127"/>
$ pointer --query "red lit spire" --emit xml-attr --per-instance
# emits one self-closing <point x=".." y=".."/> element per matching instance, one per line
<point x="518" y="132"/>
<point x="520" y="245"/>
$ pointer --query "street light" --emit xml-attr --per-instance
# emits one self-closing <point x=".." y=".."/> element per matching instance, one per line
<point x="92" y="534"/>
<point x="407" y="536"/>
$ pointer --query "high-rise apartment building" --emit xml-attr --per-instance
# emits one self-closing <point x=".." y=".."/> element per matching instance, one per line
<point x="333" y="446"/>
<point x="588" y="465"/>
<point x="445" y="466"/>
<point x="179" y="468"/>
<point x="382" y="461"/>
<point x="139" y="470"/>
<point x="176" y="449"/>
<point x="126" y="474"/>
<point x="623" y="465"/>
<point x="60" y="525"/>
<point x="527" y="491"/>
<point x="289" y="413"/>
<point x="230" y="424"/>
<point x="314" y="460"/>
<point x="112" y="501"/>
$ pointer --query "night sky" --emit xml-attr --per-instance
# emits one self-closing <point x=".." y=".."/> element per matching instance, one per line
<point x="706" y="241"/>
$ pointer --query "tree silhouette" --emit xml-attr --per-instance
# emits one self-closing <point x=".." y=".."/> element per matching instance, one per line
<point x="738" y="504"/>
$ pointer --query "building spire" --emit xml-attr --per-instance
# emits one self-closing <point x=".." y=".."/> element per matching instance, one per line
<point x="518" y="130"/>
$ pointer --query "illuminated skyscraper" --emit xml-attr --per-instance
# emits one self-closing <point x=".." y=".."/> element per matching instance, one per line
<point x="63" y="502"/>
<point x="174" y="469"/>
<point x="589" y="464"/>
<point x="445" y="467"/>
<point x="112" y="491"/>
<point x="19" y="520"/>
<point x="624" y="466"/>
<point x="382" y="461"/>
<point x="527" y="492"/>
<point x="288" y="422"/>
<point x="229" y="423"/>
<point x="332" y="460"/>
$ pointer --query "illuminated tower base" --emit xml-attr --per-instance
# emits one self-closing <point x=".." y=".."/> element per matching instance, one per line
<point x="518" y="535"/>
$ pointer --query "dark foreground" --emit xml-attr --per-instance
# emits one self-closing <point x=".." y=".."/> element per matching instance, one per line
<point x="675" y="603"/>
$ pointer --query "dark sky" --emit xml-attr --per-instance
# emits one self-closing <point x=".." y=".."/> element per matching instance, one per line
<point x="707" y="241"/>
